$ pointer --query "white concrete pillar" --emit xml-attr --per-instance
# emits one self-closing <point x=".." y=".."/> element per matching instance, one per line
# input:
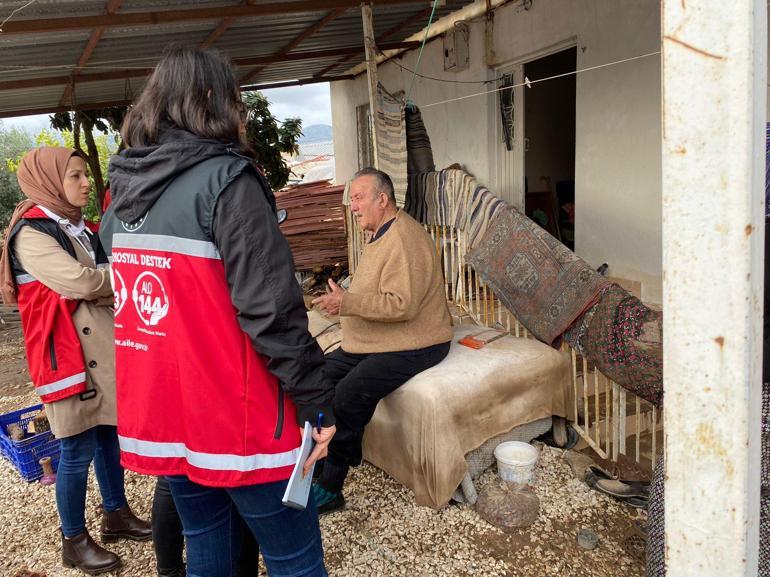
<point x="714" y="94"/>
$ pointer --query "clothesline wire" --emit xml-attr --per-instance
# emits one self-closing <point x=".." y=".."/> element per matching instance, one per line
<point x="19" y="9"/>
<point x="422" y="47"/>
<point x="528" y="82"/>
<point x="101" y="65"/>
<point x="404" y="68"/>
<point x="136" y="64"/>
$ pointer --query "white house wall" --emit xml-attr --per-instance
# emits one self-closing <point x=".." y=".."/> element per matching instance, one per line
<point x="617" y="164"/>
<point x="458" y="132"/>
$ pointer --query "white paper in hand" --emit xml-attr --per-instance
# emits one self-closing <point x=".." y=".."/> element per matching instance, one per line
<point x="298" y="489"/>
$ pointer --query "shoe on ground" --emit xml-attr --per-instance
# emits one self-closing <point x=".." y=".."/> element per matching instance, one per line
<point x="623" y="489"/>
<point x="179" y="572"/>
<point x="84" y="553"/>
<point x="638" y="502"/>
<point x="123" y="524"/>
<point x="327" y="501"/>
<point x="594" y="474"/>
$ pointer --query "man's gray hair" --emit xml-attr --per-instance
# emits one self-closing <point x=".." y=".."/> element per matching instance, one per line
<point x="382" y="180"/>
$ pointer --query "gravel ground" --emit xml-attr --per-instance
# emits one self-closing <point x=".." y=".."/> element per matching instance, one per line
<point x="381" y="532"/>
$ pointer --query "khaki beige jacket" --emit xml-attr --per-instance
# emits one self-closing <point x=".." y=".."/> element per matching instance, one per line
<point x="41" y="255"/>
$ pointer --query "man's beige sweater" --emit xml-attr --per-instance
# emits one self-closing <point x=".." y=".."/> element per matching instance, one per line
<point x="396" y="301"/>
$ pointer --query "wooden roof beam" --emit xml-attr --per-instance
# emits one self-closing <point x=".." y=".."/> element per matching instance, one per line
<point x="222" y="28"/>
<point x="107" y="104"/>
<point x="382" y="37"/>
<point x="300" y="82"/>
<point x="54" y="109"/>
<point x="315" y="54"/>
<point x="252" y="61"/>
<point x="307" y="33"/>
<point x="218" y="31"/>
<point x="41" y="25"/>
<point x="85" y="56"/>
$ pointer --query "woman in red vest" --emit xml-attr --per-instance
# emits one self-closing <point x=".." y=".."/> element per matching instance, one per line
<point x="54" y="267"/>
<point x="216" y="370"/>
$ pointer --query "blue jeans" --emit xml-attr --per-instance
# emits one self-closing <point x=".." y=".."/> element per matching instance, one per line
<point x="100" y="445"/>
<point x="290" y="540"/>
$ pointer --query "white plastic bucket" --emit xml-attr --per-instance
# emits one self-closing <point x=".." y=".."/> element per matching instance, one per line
<point x="516" y="461"/>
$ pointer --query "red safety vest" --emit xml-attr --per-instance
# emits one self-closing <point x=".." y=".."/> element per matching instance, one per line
<point x="194" y="398"/>
<point x="54" y="355"/>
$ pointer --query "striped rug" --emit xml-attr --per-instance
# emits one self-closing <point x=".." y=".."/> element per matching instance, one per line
<point x="391" y="142"/>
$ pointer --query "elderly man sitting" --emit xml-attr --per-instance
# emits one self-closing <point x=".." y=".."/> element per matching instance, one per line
<point x="395" y="323"/>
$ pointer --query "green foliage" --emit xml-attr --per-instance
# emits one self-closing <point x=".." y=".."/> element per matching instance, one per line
<point x="269" y="138"/>
<point x="95" y="133"/>
<point x="13" y="143"/>
<point x="105" y="120"/>
<point x="47" y="137"/>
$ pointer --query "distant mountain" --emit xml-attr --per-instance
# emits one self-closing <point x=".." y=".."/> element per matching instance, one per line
<point x="316" y="133"/>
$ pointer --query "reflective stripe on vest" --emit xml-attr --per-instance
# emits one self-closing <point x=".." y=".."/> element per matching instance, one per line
<point x="185" y="246"/>
<point x="163" y="355"/>
<point x="24" y="279"/>
<point x="211" y="461"/>
<point x="61" y="384"/>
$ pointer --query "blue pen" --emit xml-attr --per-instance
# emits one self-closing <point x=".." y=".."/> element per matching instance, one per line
<point x="319" y="421"/>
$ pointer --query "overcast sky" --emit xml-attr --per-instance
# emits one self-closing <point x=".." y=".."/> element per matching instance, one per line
<point x="311" y="103"/>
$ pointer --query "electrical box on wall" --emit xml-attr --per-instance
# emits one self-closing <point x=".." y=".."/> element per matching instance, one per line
<point x="456" y="47"/>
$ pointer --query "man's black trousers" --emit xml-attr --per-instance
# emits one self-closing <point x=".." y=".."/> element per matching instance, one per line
<point x="361" y="380"/>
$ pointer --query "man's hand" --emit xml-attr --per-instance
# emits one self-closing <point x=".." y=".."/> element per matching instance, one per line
<point x="321" y="448"/>
<point x="330" y="302"/>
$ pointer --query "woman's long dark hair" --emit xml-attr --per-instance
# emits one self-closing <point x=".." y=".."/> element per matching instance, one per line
<point x="191" y="89"/>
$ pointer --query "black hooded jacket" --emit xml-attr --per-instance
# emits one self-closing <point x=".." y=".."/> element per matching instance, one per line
<point x="257" y="260"/>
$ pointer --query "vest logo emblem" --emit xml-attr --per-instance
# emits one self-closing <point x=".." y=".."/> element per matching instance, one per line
<point x="121" y="292"/>
<point x="150" y="298"/>
<point x="133" y="226"/>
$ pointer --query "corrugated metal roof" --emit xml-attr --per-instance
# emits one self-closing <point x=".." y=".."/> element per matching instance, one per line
<point x="108" y="90"/>
<point x="53" y="8"/>
<point x="293" y="70"/>
<point x="39" y="55"/>
<point x="36" y="61"/>
<point x="37" y="97"/>
<point x="150" y="5"/>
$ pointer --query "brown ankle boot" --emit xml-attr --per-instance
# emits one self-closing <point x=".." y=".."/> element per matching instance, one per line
<point x="123" y="524"/>
<point x="84" y="553"/>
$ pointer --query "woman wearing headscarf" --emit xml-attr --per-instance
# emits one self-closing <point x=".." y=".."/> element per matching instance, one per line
<point x="55" y="269"/>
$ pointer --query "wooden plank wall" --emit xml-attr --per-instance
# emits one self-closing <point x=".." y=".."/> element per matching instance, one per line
<point x="315" y="227"/>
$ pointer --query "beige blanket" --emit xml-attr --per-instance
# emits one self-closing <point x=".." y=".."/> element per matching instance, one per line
<point x="325" y="330"/>
<point x="421" y="432"/>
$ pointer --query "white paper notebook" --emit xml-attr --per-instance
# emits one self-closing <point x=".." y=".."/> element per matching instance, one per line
<point x="298" y="489"/>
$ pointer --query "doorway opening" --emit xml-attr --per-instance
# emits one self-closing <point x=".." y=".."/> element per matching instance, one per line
<point x="549" y="145"/>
